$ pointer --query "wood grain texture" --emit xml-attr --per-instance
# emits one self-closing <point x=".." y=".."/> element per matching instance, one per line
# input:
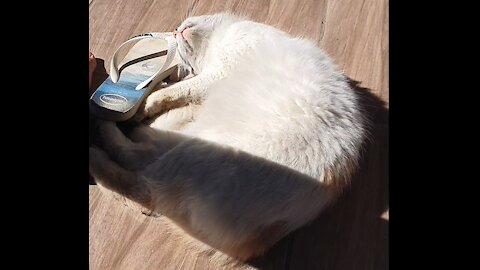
<point x="121" y="238"/>
<point x="353" y="233"/>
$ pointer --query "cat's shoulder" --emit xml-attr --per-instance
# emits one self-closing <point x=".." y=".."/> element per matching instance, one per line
<point x="250" y="32"/>
<point x="251" y="26"/>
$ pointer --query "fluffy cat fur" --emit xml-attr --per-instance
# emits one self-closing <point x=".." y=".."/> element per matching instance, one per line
<point x="263" y="134"/>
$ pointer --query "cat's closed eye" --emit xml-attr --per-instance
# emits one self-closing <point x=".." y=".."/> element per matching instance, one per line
<point x="186" y="25"/>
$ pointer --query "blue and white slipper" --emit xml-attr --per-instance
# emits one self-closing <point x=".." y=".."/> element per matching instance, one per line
<point x="133" y="77"/>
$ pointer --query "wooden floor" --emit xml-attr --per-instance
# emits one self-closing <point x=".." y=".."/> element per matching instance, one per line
<point x="353" y="234"/>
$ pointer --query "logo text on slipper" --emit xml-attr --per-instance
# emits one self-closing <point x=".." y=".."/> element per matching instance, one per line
<point x="113" y="99"/>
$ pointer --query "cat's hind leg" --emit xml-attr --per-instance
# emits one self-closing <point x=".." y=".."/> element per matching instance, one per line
<point x="128" y="154"/>
<point x="135" y="155"/>
<point x="142" y="133"/>
<point x="110" y="175"/>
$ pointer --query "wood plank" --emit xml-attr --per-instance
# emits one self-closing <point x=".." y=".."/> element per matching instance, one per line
<point x="350" y="235"/>
<point x="356" y="36"/>
<point x="121" y="238"/>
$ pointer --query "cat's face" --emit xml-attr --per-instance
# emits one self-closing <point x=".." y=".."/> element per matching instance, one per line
<point x="194" y="37"/>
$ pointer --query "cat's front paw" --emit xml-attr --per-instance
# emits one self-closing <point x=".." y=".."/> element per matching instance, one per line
<point x="139" y="115"/>
<point x="181" y="72"/>
<point x="145" y="111"/>
<point x="97" y="159"/>
<point x="156" y="103"/>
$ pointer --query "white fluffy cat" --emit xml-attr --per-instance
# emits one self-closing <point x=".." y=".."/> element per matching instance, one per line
<point x="254" y="145"/>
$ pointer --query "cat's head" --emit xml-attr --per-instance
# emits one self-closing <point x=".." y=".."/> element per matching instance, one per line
<point x="194" y="36"/>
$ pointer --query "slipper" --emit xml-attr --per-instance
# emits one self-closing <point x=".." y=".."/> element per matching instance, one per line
<point x="132" y="78"/>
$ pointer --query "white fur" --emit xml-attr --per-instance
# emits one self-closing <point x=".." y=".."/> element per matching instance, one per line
<point x="280" y="98"/>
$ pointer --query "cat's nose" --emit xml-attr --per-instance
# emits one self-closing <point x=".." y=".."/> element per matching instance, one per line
<point x="176" y="32"/>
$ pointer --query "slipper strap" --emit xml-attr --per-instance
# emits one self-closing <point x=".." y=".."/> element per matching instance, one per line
<point x="171" y="48"/>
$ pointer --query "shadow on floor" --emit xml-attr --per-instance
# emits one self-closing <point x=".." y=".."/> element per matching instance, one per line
<point x="351" y="234"/>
